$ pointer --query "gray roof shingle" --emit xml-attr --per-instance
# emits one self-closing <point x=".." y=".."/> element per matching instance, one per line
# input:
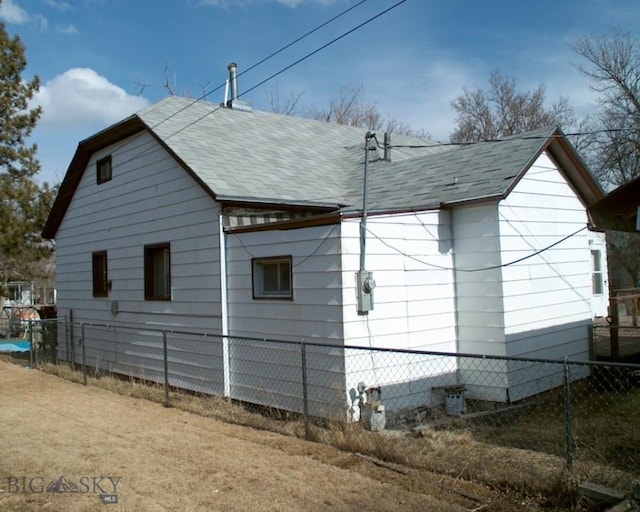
<point x="259" y="156"/>
<point x="462" y="173"/>
<point x="264" y="158"/>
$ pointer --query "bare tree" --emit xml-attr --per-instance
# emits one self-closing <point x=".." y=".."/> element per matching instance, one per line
<point x="170" y="85"/>
<point x="613" y="65"/>
<point x="286" y="106"/>
<point x="503" y="110"/>
<point x="403" y="128"/>
<point x="349" y="107"/>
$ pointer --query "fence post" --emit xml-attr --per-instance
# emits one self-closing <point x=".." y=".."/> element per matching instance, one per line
<point x="166" y="368"/>
<point x="615" y="323"/>
<point x="67" y="353"/>
<point x="84" y="355"/>
<point x="33" y="356"/>
<point x="568" y="414"/>
<point x="72" y="359"/>
<point x="305" y="396"/>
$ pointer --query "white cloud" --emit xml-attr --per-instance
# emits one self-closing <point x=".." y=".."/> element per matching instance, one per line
<point x="13" y="13"/>
<point x="82" y="97"/>
<point x="66" y="29"/>
<point x="41" y="21"/>
<point x="60" y="6"/>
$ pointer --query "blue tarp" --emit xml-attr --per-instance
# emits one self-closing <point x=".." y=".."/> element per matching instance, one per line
<point x="15" y="346"/>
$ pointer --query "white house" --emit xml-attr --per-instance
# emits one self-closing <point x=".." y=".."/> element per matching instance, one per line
<point x="200" y="217"/>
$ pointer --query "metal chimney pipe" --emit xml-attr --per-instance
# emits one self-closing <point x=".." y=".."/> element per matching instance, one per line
<point x="233" y="80"/>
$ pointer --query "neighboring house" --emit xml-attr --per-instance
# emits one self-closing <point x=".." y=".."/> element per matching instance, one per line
<point x="28" y="293"/>
<point x="192" y="216"/>
<point x="618" y="211"/>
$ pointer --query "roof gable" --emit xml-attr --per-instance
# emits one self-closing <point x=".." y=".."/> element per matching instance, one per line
<point x="264" y="158"/>
<point x="477" y="172"/>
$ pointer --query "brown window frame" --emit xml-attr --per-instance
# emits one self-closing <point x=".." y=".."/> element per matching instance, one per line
<point x="100" y="274"/>
<point x="258" y="267"/>
<point x="100" y="164"/>
<point x="150" y="271"/>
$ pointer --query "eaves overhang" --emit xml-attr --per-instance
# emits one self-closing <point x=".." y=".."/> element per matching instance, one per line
<point x="292" y="204"/>
<point x="126" y="128"/>
<point x="618" y="211"/>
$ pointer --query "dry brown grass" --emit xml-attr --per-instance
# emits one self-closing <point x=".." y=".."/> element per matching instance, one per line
<point x="459" y="454"/>
<point x="171" y="460"/>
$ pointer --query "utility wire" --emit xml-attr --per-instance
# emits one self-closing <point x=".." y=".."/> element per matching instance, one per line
<point x="271" y="77"/>
<point x="151" y="144"/>
<point x="507" y="139"/>
<point x="298" y="263"/>
<point x="295" y="63"/>
<point x="296" y="41"/>
<point x="343" y="35"/>
<point x="479" y="269"/>
<point x="265" y="59"/>
<point x="529" y="235"/>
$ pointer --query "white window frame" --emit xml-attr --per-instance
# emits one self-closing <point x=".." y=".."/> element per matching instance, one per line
<point x="597" y="273"/>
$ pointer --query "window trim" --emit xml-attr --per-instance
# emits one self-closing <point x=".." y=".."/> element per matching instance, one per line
<point x="597" y="272"/>
<point x="99" y="178"/>
<point x="257" y="275"/>
<point x="100" y="283"/>
<point x="149" y="291"/>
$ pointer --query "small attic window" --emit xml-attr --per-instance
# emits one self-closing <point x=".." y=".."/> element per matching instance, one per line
<point x="103" y="170"/>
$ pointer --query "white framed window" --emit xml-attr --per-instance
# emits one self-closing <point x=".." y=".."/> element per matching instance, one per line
<point x="597" y="276"/>
<point x="272" y="278"/>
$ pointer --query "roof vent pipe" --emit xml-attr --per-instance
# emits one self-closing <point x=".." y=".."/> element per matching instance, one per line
<point x="387" y="147"/>
<point x="233" y="80"/>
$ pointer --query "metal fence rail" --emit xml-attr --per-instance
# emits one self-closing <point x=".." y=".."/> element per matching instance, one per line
<point x="581" y="412"/>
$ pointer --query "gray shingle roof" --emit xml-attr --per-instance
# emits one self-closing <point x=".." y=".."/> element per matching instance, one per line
<point x="263" y="157"/>
<point x="259" y="157"/>
<point x="462" y="173"/>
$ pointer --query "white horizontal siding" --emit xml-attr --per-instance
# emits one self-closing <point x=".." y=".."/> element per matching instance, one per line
<point x="478" y="280"/>
<point x="150" y="199"/>
<point x="314" y="313"/>
<point x="551" y="287"/>
<point x="411" y="266"/>
<point x="268" y="372"/>
<point x="410" y="257"/>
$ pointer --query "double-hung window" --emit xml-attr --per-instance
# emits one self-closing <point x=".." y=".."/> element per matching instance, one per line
<point x="597" y="275"/>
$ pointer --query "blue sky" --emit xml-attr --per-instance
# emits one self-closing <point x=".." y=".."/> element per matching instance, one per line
<point x="93" y="55"/>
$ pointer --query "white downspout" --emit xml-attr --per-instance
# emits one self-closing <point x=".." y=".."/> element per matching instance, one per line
<point x="224" y="308"/>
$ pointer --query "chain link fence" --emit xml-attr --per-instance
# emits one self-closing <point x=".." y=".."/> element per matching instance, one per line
<point x="581" y="412"/>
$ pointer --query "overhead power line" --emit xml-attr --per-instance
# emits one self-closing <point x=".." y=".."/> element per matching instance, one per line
<point x="479" y="269"/>
<point x="436" y="144"/>
<point x="265" y="59"/>
<point x="271" y="77"/>
<point x="341" y="36"/>
<point x="295" y="63"/>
